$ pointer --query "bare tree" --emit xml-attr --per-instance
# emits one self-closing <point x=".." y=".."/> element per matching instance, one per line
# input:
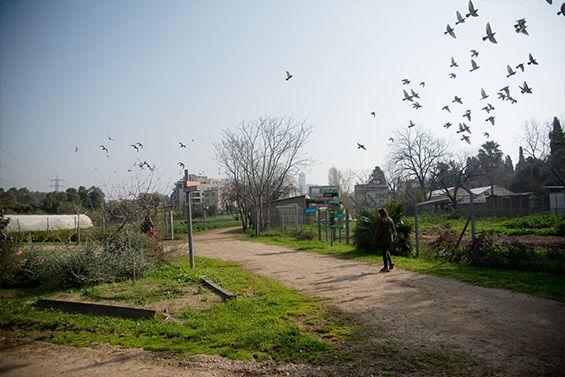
<point x="261" y="159"/>
<point x="536" y="140"/>
<point x="452" y="175"/>
<point x="415" y="155"/>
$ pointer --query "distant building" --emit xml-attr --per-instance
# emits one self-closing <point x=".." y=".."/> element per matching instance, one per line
<point x="207" y="195"/>
<point x="374" y="193"/>
<point x="302" y="183"/>
<point x="333" y="179"/>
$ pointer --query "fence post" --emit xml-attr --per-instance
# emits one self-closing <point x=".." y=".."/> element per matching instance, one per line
<point x="257" y="232"/>
<point x="416" y="230"/>
<point x="471" y="207"/>
<point x="347" y="226"/>
<point x="319" y="224"/>
<point x="171" y="220"/>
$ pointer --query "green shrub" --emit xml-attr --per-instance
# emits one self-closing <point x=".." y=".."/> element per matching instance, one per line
<point x="9" y="261"/>
<point x="303" y="234"/>
<point x="443" y="247"/>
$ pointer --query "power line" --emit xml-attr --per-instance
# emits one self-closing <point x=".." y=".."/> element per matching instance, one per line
<point x="23" y="164"/>
<point x="21" y="175"/>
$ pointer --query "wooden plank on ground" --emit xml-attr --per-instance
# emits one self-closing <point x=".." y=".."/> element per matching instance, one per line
<point x="226" y="295"/>
<point x="98" y="309"/>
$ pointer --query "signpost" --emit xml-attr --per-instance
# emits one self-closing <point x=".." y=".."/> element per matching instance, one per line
<point x="188" y="187"/>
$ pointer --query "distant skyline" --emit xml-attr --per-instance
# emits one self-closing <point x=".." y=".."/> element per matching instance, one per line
<point x="75" y="74"/>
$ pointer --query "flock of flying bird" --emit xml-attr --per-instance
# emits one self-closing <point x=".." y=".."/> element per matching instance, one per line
<point x="503" y="93"/>
<point x="138" y="146"/>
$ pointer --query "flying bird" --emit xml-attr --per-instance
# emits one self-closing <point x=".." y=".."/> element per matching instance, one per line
<point x="458" y="100"/>
<point x="361" y="146"/>
<point x="139" y="145"/>
<point x="453" y="63"/>
<point x="411" y="124"/>
<point x="423" y="84"/>
<point x="486" y="134"/>
<point x="416" y="105"/>
<point x="506" y="90"/>
<point x="449" y="30"/>
<point x="532" y="60"/>
<point x="501" y="96"/>
<point x="490" y="119"/>
<point x="474" y="53"/>
<point x="182" y="145"/>
<point x="406" y="96"/>
<point x="491" y="107"/>
<point x="490" y="34"/>
<point x="452" y="75"/>
<point x="373" y="114"/>
<point x="525" y="88"/>
<point x="512" y="100"/>
<point x="521" y="66"/>
<point x="460" y="19"/>
<point x="520" y="26"/>
<point x="483" y="94"/>
<point x="181" y="165"/>
<point x="391" y="139"/>
<point x="447" y="125"/>
<point x="561" y="10"/>
<point x="104" y="148"/>
<point x="405" y="81"/>
<point x="510" y="71"/>
<point x="468" y="114"/>
<point x="472" y="10"/>
<point x="414" y="94"/>
<point x="466" y="138"/>
<point x="474" y="65"/>
<point x="134" y="146"/>
<point x="461" y="128"/>
<point x="288" y="76"/>
<point x="466" y="128"/>
<point x="446" y="108"/>
<point x="76" y="149"/>
<point x="109" y="138"/>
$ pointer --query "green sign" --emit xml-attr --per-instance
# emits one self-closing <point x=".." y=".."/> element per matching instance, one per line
<point x="331" y="193"/>
<point x="310" y="210"/>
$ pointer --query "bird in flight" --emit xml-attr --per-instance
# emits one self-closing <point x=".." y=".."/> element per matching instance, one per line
<point x="520" y="26"/>
<point x="532" y="60"/>
<point x="460" y="19"/>
<point x="446" y="108"/>
<point x="466" y="128"/>
<point x="521" y="66"/>
<point x="511" y="99"/>
<point x="181" y="165"/>
<point x="361" y="146"/>
<point x="405" y="81"/>
<point x="447" y="125"/>
<point x="423" y="84"/>
<point x="406" y="96"/>
<point x="109" y="138"/>
<point x="458" y="100"/>
<point x="412" y="124"/>
<point x="474" y="53"/>
<point x="288" y="76"/>
<point x="449" y="30"/>
<point x="453" y="63"/>
<point x="139" y="145"/>
<point x="490" y="34"/>
<point x="483" y="94"/>
<point x="466" y="138"/>
<point x="414" y="94"/>
<point x="135" y="146"/>
<point x="373" y="114"/>
<point x="416" y="105"/>
<point x="76" y="149"/>
<point x="486" y="134"/>
<point x="472" y="10"/>
<point x="391" y="139"/>
<point x="452" y="75"/>
<point x="561" y="10"/>
<point x="105" y="150"/>
<point x="501" y="96"/>
<point x="490" y="119"/>
<point x="525" y="88"/>
<point x="506" y="90"/>
<point x="474" y="66"/>
<point x="468" y="114"/>
<point x="510" y="71"/>
<point x="182" y="145"/>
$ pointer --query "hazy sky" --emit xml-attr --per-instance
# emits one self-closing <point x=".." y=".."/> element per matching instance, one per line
<point x="73" y="73"/>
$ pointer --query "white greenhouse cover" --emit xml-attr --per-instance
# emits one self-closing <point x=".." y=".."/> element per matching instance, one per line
<point x="26" y="223"/>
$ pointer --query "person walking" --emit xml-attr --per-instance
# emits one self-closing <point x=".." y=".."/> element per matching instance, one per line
<point x="385" y="234"/>
<point x="147" y="227"/>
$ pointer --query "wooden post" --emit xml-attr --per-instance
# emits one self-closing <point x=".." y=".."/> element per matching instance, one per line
<point x="416" y="230"/>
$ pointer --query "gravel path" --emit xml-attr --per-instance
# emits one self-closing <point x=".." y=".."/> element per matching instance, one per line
<point x="511" y="333"/>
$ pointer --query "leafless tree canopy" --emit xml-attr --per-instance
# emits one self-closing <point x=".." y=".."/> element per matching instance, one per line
<point x="415" y="155"/>
<point x="261" y="159"/>
<point x="536" y="139"/>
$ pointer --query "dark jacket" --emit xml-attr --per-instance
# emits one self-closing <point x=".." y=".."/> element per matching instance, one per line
<point x="385" y="231"/>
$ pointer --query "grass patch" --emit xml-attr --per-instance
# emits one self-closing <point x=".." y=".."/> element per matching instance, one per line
<point x="535" y="283"/>
<point x="266" y="321"/>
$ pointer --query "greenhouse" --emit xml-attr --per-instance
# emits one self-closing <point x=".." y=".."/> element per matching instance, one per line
<point x="27" y="223"/>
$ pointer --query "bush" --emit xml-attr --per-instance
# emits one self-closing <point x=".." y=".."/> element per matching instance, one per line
<point x="443" y="247"/>
<point x="9" y="261"/>
<point x="126" y="256"/>
<point x="302" y="234"/>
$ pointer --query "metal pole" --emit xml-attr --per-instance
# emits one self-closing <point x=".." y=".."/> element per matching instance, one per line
<point x="171" y="221"/>
<point x="347" y="226"/>
<point x="257" y="222"/>
<point x="471" y="206"/>
<point x="416" y="230"/>
<point x="319" y="225"/>
<point x="189" y="222"/>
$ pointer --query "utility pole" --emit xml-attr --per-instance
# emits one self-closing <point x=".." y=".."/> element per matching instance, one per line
<point x="189" y="220"/>
<point x="57" y="181"/>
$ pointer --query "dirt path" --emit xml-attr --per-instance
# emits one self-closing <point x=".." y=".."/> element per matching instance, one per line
<point x="515" y="334"/>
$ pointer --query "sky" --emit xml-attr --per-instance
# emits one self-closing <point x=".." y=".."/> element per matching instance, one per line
<point x="74" y="73"/>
